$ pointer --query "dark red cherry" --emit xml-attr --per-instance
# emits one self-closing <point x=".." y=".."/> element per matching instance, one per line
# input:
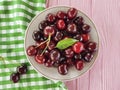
<point x="61" y="15"/>
<point x="72" y="28"/>
<point x="54" y="55"/>
<point x="48" y="63"/>
<point x="36" y="35"/>
<point x="88" y="57"/>
<point x="79" y="65"/>
<point x="78" y="47"/>
<point x="91" y="46"/>
<point x="51" y="18"/>
<point x="69" y="52"/>
<point x="15" y="77"/>
<point x="49" y="30"/>
<point x="85" y="28"/>
<point x="69" y="62"/>
<point x="78" y="20"/>
<point x="61" y="24"/>
<point x="42" y="24"/>
<point x="62" y="60"/>
<point x="63" y="69"/>
<point x="78" y="37"/>
<point x="77" y="56"/>
<point x="72" y="12"/>
<point x="22" y="69"/>
<point x="31" y="50"/>
<point x="40" y="59"/>
<point x="58" y="36"/>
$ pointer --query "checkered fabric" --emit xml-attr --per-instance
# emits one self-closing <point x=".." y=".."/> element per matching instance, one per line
<point x="14" y="18"/>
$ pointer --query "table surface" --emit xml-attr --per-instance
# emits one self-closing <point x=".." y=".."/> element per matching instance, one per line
<point x="105" y="74"/>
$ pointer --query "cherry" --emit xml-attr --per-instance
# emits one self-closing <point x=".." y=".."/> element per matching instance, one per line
<point x="69" y="62"/>
<point x="78" y="20"/>
<point x="54" y="55"/>
<point x="91" y="46"/>
<point x="50" y="18"/>
<point x="62" y="60"/>
<point x="42" y="24"/>
<point x="72" y="28"/>
<point x="77" y="56"/>
<point x="72" y="12"/>
<point x="78" y="37"/>
<point x="63" y="69"/>
<point x="48" y="63"/>
<point x="83" y="53"/>
<point x="88" y="57"/>
<point x="69" y="52"/>
<point x="85" y="37"/>
<point x="36" y="35"/>
<point x="61" y="24"/>
<point x="58" y="36"/>
<point x="85" y="28"/>
<point x="49" y="30"/>
<point x="61" y="15"/>
<point x="31" y="50"/>
<point x="79" y="65"/>
<point x="22" y="69"/>
<point x="78" y="47"/>
<point x="15" y="77"/>
<point x="40" y="59"/>
<point x="51" y="45"/>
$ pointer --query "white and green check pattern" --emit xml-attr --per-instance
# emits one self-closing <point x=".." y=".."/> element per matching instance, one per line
<point x="14" y="18"/>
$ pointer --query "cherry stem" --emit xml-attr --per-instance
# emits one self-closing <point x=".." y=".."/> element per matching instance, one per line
<point x="49" y="38"/>
<point x="1" y="58"/>
<point x="42" y="43"/>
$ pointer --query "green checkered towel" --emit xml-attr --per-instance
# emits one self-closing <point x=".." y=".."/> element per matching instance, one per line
<point x="14" y="18"/>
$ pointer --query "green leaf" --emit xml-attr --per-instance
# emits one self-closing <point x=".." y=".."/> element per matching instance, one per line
<point x="65" y="43"/>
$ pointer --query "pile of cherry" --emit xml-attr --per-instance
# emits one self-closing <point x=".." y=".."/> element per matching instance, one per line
<point x="56" y="28"/>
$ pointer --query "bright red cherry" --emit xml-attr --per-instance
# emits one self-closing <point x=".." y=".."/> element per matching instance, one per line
<point x="79" y="65"/>
<point x="40" y="59"/>
<point x="61" y="24"/>
<point x="78" y="47"/>
<point x="85" y="37"/>
<point x="49" y="30"/>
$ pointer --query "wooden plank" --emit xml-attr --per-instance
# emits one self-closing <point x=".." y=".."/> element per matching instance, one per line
<point x="105" y="13"/>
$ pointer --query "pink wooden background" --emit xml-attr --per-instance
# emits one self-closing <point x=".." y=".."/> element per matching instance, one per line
<point x="105" y="74"/>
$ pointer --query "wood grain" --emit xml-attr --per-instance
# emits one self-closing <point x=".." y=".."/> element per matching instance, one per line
<point x="105" y="74"/>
